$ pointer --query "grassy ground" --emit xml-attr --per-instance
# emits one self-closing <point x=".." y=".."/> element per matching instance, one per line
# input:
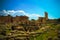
<point x="51" y="33"/>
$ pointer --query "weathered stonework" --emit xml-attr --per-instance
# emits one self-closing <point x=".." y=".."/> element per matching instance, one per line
<point x="22" y="19"/>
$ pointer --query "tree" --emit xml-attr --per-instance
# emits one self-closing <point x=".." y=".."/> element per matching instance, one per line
<point x="58" y="19"/>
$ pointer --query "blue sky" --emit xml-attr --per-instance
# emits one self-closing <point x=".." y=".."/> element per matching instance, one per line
<point x="37" y="7"/>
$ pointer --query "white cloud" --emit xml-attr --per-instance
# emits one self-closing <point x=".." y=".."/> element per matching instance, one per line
<point x="35" y="15"/>
<point x="19" y="12"/>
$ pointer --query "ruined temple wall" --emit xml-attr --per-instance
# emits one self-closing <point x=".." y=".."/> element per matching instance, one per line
<point x="1" y="19"/>
<point x="46" y="16"/>
<point x="20" y="19"/>
<point x="5" y="19"/>
<point x="41" y="20"/>
<point x="15" y="19"/>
